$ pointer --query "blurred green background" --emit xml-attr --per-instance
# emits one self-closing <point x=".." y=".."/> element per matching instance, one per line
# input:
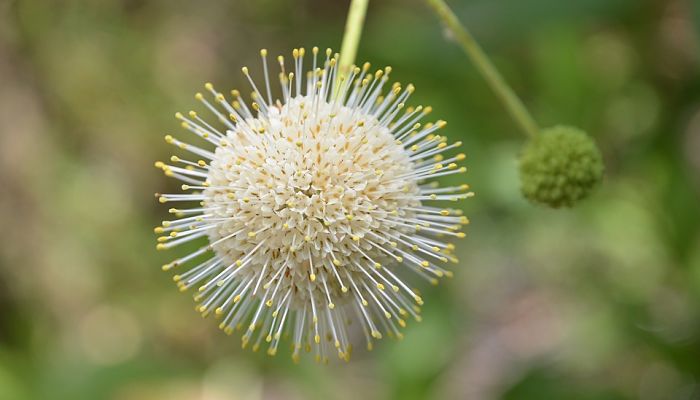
<point x="599" y="302"/>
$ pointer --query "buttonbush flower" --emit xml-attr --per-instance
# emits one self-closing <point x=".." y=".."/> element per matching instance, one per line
<point x="315" y="205"/>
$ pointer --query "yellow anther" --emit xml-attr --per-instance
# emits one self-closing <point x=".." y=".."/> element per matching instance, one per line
<point x="158" y="229"/>
<point x="331" y="306"/>
<point x="251" y="234"/>
<point x="461" y="234"/>
<point x="425" y="264"/>
<point x="312" y="277"/>
<point x="336" y="262"/>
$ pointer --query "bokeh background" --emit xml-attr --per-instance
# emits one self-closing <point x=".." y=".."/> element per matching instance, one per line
<point x="598" y="302"/>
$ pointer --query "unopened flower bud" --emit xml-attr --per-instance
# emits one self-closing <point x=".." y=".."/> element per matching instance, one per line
<point x="560" y="166"/>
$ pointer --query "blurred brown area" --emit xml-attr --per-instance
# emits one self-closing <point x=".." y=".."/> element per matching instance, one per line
<point x="598" y="302"/>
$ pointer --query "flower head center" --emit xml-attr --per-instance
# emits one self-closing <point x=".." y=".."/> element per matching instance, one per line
<point x="307" y="190"/>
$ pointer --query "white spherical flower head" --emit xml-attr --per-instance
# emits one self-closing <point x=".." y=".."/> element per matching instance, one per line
<point x="313" y="205"/>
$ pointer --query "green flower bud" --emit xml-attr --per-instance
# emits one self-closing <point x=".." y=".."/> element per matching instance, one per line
<point x="560" y="166"/>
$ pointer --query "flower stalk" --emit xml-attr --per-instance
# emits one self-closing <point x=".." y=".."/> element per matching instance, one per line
<point x="466" y="41"/>
<point x="351" y="37"/>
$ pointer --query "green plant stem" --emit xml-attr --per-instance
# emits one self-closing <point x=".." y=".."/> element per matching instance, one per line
<point x="351" y="37"/>
<point x="466" y="41"/>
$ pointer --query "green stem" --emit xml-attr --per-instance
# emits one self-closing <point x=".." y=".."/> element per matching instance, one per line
<point x="466" y="41"/>
<point x="351" y="37"/>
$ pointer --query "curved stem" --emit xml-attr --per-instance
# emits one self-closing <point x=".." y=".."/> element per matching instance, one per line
<point x="351" y="37"/>
<point x="466" y="41"/>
